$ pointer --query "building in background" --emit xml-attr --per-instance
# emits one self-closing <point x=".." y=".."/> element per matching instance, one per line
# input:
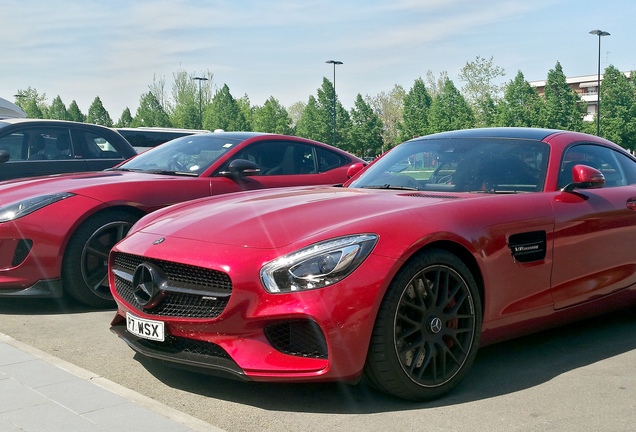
<point x="586" y="86"/>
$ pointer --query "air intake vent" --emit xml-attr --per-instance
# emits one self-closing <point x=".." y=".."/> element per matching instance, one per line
<point x="417" y="195"/>
<point x="528" y="247"/>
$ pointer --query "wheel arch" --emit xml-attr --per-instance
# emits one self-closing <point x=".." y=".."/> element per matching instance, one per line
<point x="463" y="254"/>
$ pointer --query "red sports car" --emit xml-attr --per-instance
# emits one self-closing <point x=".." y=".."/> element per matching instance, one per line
<point x="448" y="242"/>
<point x="56" y="232"/>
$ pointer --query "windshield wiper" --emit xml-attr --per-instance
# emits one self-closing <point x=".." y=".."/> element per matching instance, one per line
<point x="388" y="186"/>
<point x="168" y="172"/>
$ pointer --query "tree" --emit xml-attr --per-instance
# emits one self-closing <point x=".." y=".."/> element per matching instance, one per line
<point x="310" y="125"/>
<point x="450" y="111"/>
<point x="184" y="107"/>
<point x="98" y="115"/>
<point x="126" y="119"/>
<point x="74" y="113"/>
<point x="435" y="85"/>
<point x="389" y="107"/>
<point x="150" y="113"/>
<point x="479" y="91"/>
<point x="246" y="109"/>
<point x="326" y="109"/>
<point x="417" y="103"/>
<point x="520" y="105"/>
<point x="32" y="110"/>
<point x="57" y="110"/>
<point x="30" y="96"/>
<point x="224" y="112"/>
<point x="366" y="130"/>
<point x="272" y="117"/>
<point x="618" y="109"/>
<point x="295" y="112"/>
<point x="562" y="108"/>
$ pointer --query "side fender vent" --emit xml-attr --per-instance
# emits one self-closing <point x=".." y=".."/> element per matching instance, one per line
<point x="528" y="247"/>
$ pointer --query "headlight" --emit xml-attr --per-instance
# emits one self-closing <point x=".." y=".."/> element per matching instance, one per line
<point x="317" y="266"/>
<point x="18" y="209"/>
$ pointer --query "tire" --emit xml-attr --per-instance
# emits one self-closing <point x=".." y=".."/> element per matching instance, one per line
<point x="426" y="334"/>
<point x="85" y="263"/>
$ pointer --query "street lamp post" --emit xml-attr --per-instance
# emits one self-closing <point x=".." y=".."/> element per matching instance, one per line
<point x="200" y="114"/>
<point x="599" y="33"/>
<point x="334" y="62"/>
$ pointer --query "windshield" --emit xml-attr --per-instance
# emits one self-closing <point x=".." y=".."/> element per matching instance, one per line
<point x="487" y="165"/>
<point x="189" y="155"/>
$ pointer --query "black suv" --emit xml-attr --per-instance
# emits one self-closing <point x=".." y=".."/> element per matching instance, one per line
<point x="32" y="147"/>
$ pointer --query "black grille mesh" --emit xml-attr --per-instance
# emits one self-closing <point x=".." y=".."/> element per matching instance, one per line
<point x="175" y="304"/>
<point x="301" y="338"/>
<point x="180" y="345"/>
<point x="419" y="195"/>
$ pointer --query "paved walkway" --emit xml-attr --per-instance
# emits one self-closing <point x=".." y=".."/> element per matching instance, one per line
<point x="42" y="393"/>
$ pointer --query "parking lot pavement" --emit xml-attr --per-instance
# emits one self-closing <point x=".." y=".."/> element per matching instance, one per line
<point x="39" y="392"/>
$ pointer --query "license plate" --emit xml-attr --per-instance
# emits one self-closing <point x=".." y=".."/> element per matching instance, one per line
<point x="144" y="328"/>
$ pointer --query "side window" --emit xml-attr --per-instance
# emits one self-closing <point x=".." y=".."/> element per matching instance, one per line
<point x="629" y="167"/>
<point x="281" y="157"/>
<point x="94" y="146"/>
<point x="40" y="143"/>
<point x="328" y="160"/>
<point x="602" y="158"/>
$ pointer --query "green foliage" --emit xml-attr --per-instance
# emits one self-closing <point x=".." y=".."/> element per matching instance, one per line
<point x="366" y="130"/>
<point x="389" y="107"/>
<point x="150" y="113"/>
<point x="520" y="105"/>
<point x="417" y="103"/>
<point x="479" y="91"/>
<point x="98" y="115"/>
<point x="272" y="117"/>
<point x="32" y="110"/>
<point x="310" y="124"/>
<point x="74" y="113"/>
<point x="562" y="108"/>
<point x="246" y="109"/>
<point x="326" y="108"/>
<point x="57" y="110"/>
<point x="224" y="112"/>
<point x="190" y="99"/>
<point x="126" y="119"/>
<point x="618" y="108"/>
<point x="450" y="111"/>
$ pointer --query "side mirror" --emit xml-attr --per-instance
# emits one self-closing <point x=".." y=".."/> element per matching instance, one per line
<point x="354" y="169"/>
<point x="585" y="177"/>
<point x="241" y="168"/>
<point x="4" y="156"/>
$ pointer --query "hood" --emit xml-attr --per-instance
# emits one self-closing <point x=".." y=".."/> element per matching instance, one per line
<point x="274" y="219"/>
<point x="86" y="184"/>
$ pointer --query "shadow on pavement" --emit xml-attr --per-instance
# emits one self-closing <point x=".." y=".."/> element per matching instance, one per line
<point x="44" y="306"/>
<point x="498" y="370"/>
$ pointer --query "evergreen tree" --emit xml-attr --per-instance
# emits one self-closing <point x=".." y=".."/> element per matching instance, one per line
<point x="246" y="109"/>
<point x="520" y="105"/>
<point x="224" y="112"/>
<point x="618" y="108"/>
<point x="450" y="111"/>
<point x="417" y="103"/>
<point x="326" y="110"/>
<point x="57" y="110"/>
<point x="311" y="125"/>
<point x="32" y="109"/>
<point x="126" y="119"/>
<point x="366" y="130"/>
<point x="562" y="108"/>
<point x="272" y="117"/>
<point x="74" y="113"/>
<point x="150" y="113"/>
<point x="98" y="115"/>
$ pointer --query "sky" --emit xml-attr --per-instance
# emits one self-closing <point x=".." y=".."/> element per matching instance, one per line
<point x="114" y="49"/>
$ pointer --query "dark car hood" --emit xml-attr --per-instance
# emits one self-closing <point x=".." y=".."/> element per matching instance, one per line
<point x="274" y="219"/>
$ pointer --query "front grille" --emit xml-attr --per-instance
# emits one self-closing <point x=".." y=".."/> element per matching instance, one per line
<point x="180" y="345"/>
<point x="174" y="303"/>
<point x="301" y="338"/>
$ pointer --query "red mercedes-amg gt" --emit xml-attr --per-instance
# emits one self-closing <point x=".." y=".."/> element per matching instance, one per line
<point x="448" y="242"/>
<point x="56" y="232"/>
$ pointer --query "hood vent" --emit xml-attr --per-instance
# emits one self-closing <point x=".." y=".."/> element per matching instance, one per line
<point x="418" y="195"/>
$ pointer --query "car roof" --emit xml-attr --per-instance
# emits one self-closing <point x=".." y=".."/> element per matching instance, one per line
<point x="501" y="132"/>
<point x="49" y="122"/>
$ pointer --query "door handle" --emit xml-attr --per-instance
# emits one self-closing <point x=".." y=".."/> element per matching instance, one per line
<point x="631" y="203"/>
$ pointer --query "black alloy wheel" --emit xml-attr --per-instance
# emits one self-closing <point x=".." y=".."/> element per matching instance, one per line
<point x="427" y="331"/>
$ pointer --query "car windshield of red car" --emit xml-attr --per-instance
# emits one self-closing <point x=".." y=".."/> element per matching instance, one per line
<point x="485" y="165"/>
<point x="189" y="155"/>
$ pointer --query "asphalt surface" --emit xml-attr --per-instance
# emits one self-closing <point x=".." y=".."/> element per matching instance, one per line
<point x="581" y="377"/>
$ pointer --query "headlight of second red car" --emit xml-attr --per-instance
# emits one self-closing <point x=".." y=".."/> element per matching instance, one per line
<point x="318" y="265"/>
<point x="24" y="207"/>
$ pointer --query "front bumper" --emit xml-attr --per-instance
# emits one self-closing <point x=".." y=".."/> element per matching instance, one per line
<point x="316" y="335"/>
